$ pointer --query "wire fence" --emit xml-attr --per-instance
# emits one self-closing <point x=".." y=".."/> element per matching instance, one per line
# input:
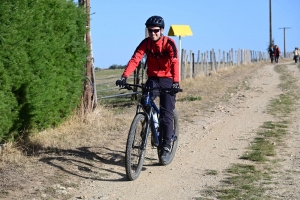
<point x="211" y="61"/>
<point x="106" y="87"/>
<point x="106" y="84"/>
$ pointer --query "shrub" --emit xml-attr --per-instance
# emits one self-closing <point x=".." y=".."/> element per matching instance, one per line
<point x="42" y="59"/>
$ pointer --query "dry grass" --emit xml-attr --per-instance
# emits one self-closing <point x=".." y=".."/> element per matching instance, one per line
<point x="10" y="153"/>
<point x="73" y="133"/>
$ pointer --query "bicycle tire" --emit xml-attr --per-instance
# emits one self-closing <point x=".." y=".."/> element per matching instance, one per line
<point x="174" y="143"/>
<point x="135" y="155"/>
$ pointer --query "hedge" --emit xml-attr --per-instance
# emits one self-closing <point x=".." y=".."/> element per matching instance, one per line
<point x="42" y="58"/>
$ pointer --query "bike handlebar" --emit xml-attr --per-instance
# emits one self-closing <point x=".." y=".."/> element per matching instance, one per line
<point x="129" y="86"/>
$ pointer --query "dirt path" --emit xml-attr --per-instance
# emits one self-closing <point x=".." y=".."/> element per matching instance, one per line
<point x="215" y="139"/>
<point x="211" y="140"/>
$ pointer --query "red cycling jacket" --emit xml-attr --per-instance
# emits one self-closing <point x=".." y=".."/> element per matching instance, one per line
<point x="162" y="58"/>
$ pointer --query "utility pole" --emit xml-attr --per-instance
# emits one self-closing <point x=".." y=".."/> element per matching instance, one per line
<point x="89" y="99"/>
<point x="284" y="37"/>
<point x="270" y="10"/>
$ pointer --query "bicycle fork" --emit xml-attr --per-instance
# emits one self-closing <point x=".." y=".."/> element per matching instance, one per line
<point x="147" y="128"/>
<point x="144" y="140"/>
<point x="150" y="125"/>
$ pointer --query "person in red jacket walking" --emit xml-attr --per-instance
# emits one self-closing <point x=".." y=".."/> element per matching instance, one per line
<point x="162" y="71"/>
<point x="276" y="53"/>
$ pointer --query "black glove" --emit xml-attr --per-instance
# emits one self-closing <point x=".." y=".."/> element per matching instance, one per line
<point x="121" y="82"/>
<point x="175" y="88"/>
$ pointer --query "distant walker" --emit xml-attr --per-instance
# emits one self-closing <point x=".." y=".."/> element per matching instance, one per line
<point x="276" y="54"/>
<point x="296" y="54"/>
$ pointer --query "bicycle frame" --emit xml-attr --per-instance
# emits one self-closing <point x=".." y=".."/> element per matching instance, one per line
<point x="147" y="102"/>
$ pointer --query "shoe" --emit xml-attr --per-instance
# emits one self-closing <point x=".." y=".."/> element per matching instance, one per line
<point x="165" y="155"/>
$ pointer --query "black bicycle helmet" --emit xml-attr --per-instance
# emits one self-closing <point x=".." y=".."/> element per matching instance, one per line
<point x="155" y="21"/>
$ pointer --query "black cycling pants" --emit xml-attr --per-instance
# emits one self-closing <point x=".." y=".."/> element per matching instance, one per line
<point x="167" y="105"/>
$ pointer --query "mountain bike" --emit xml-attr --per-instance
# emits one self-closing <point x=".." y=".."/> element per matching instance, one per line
<point x="147" y="120"/>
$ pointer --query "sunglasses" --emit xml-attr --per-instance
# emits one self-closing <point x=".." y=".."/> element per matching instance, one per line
<point x="153" y="30"/>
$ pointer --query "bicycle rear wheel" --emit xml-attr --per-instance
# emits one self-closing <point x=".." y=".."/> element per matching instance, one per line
<point x="135" y="154"/>
<point x="174" y="143"/>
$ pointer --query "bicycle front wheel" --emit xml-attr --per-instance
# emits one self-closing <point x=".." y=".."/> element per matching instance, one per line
<point x="135" y="154"/>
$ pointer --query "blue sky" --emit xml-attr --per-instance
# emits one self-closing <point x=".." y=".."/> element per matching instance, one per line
<point x="118" y="26"/>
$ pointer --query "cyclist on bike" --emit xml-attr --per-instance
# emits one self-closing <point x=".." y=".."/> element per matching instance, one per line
<point x="162" y="71"/>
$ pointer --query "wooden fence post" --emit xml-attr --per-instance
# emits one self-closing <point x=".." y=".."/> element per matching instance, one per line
<point x="214" y="60"/>
<point x="228" y="59"/>
<point x="206" y="63"/>
<point x="136" y="80"/>
<point x="203" y="60"/>
<point x="232" y="57"/>
<point x="223" y="61"/>
<point x="89" y="98"/>
<point x="202" y="63"/>
<point x="219" y="57"/>
<point x="198" y="64"/>
<point x="242" y="56"/>
<point x="248" y="56"/>
<point x="185" y="63"/>
<point x="191" y="64"/>
<point x="183" y="76"/>
<point x="210" y="61"/>
<point x="235" y="57"/>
